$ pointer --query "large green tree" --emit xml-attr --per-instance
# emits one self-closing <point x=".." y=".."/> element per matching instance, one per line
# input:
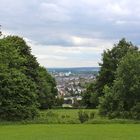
<point x="123" y="98"/>
<point x="18" y="96"/>
<point x="30" y="64"/>
<point x="20" y="93"/>
<point x="110" y="61"/>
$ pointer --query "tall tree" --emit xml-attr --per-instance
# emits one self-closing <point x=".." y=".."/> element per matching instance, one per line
<point x="30" y="64"/>
<point x="123" y="98"/>
<point x="110" y="61"/>
<point x="20" y="93"/>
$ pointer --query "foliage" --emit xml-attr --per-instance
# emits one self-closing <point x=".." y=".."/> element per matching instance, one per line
<point x="90" y="99"/>
<point x="59" y="101"/>
<point x="70" y="116"/>
<point x="110" y="61"/>
<point x="47" y="89"/>
<point x="21" y="81"/>
<point x="83" y="116"/>
<point x="17" y="98"/>
<point x="123" y="98"/>
<point x="92" y="115"/>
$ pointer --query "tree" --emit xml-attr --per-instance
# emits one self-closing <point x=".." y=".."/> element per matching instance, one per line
<point x="111" y="59"/>
<point x="18" y="100"/>
<point x="123" y="98"/>
<point x="18" y="91"/>
<point x="30" y="64"/>
<point x="23" y="83"/>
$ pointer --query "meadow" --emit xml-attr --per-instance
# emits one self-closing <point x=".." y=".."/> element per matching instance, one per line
<point x="63" y="116"/>
<point x="70" y="116"/>
<point x="70" y="132"/>
<point x="63" y="124"/>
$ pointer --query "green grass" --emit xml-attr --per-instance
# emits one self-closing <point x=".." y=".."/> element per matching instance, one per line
<point x="70" y="116"/>
<point x="70" y="132"/>
<point x="63" y="124"/>
<point x="65" y="116"/>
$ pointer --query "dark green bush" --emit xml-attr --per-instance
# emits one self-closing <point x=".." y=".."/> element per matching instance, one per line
<point x="92" y="115"/>
<point x="135" y="112"/>
<point x="83" y="116"/>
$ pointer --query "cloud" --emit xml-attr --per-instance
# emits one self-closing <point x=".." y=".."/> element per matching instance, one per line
<point x="71" y="30"/>
<point x="60" y="56"/>
<point x="53" y="12"/>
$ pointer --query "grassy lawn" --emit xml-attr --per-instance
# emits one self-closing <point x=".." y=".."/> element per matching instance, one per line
<point x="70" y="132"/>
<point x="70" y="116"/>
<point x="62" y="115"/>
<point x="58" y="124"/>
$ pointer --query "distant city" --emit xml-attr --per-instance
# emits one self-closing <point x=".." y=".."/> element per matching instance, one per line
<point x="71" y="82"/>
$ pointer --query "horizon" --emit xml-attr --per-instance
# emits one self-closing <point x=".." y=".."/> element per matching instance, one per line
<point x="68" y="67"/>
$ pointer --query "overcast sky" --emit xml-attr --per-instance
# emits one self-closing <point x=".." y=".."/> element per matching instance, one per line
<point x="71" y="33"/>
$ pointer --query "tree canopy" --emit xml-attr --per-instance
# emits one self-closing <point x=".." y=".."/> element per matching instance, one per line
<point x="123" y="98"/>
<point x="22" y="81"/>
<point x="110" y="61"/>
<point x="108" y="67"/>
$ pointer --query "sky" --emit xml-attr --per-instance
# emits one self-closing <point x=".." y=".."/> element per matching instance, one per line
<point x="71" y="33"/>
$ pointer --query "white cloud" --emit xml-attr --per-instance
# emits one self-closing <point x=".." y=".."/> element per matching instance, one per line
<point x="92" y="42"/>
<point x="59" y="56"/>
<point x="118" y="9"/>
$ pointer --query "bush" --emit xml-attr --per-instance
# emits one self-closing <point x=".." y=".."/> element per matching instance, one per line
<point x="65" y="116"/>
<point x="92" y="115"/>
<point x="51" y="114"/>
<point x="135" y="112"/>
<point x="83" y="116"/>
<point x="18" y="100"/>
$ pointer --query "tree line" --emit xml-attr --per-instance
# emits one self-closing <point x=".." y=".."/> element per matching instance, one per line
<point x="116" y="91"/>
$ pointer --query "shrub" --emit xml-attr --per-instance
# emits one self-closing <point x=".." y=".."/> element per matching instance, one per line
<point x="51" y="114"/>
<point x="83" y="116"/>
<point x="92" y="115"/>
<point x="65" y="116"/>
<point x="135" y="112"/>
